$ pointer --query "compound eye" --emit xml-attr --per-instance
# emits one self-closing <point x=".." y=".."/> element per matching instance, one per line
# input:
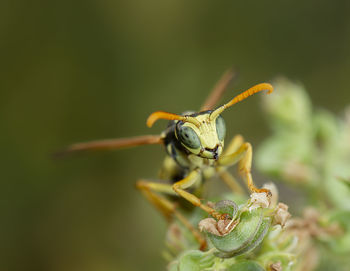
<point x="189" y="137"/>
<point x="220" y="128"/>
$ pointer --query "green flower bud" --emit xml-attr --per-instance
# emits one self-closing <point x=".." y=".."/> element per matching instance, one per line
<point x="248" y="231"/>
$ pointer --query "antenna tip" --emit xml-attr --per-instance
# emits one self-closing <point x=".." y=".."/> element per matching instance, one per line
<point x="268" y="87"/>
<point x="151" y="120"/>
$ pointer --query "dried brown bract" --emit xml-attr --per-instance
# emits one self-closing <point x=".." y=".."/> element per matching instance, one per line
<point x="219" y="228"/>
<point x="281" y="214"/>
<point x="259" y="200"/>
<point x="275" y="266"/>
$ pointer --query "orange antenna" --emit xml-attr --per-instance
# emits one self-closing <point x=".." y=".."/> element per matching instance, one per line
<point x="170" y="116"/>
<point x="241" y="97"/>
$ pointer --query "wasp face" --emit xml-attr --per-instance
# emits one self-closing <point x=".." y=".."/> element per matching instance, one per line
<point x="206" y="139"/>
<point x="203" y="133"/>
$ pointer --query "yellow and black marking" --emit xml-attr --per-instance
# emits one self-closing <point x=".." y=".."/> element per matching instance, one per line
<point x="194" y="143"/>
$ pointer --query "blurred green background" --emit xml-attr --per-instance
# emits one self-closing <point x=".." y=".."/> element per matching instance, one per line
<point x="80" y="70"/>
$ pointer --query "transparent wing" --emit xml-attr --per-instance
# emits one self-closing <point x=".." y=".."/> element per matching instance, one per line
<point x="219" y="90"/>
<point x="111" y="144"/>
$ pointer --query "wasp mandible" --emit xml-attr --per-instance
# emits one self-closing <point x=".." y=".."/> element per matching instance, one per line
<point x="194" y="143"/>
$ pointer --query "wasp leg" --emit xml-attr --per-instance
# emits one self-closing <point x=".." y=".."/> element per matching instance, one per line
<point x="188" y="182"/>
<point x="224" y="175"/>
<point x="166" y="207"/>
<point x="243" y="155"/>
<point x="178" y="189"/>
<point x="234" y="145"/>
<point x="230" y="181"/>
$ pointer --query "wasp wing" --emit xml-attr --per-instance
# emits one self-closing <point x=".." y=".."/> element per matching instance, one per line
<point x="219" y="90"/>
<point x="111" y="144"/>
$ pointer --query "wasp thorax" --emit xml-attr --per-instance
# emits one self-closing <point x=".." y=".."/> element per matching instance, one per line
<point x="205" y="137"/>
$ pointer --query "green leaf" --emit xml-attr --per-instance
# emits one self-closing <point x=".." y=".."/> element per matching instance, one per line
<point x="287" y="260"/>
<point x="227" y="207"/>
<point x="195" y="260"/>
<point x="245" y="266"/>
<point x="241" y="236"/>
<point x="341" y="244"/>
<point x="259" y="236"/>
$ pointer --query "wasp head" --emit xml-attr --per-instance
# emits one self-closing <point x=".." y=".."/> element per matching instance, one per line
<point x="204" y="136"/>
<point x="203" y="133"/>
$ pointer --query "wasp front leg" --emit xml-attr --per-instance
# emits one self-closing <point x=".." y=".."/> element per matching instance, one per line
<point x="242" y="155"/>
<point x="167" y="207"/>
<point x="178" y="188"/>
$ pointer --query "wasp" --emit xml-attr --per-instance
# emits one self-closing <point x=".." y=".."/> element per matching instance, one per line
<point x="194" y="144"/>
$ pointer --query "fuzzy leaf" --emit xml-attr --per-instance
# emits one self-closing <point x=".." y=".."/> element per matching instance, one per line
<point x="259" y="236"/>
<point x="245" y="266"/>
<point x="242" y="235"/>
<point x="341" y="244"/>
<point x="195" y="260"/>
<point x="226" y="207"/>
